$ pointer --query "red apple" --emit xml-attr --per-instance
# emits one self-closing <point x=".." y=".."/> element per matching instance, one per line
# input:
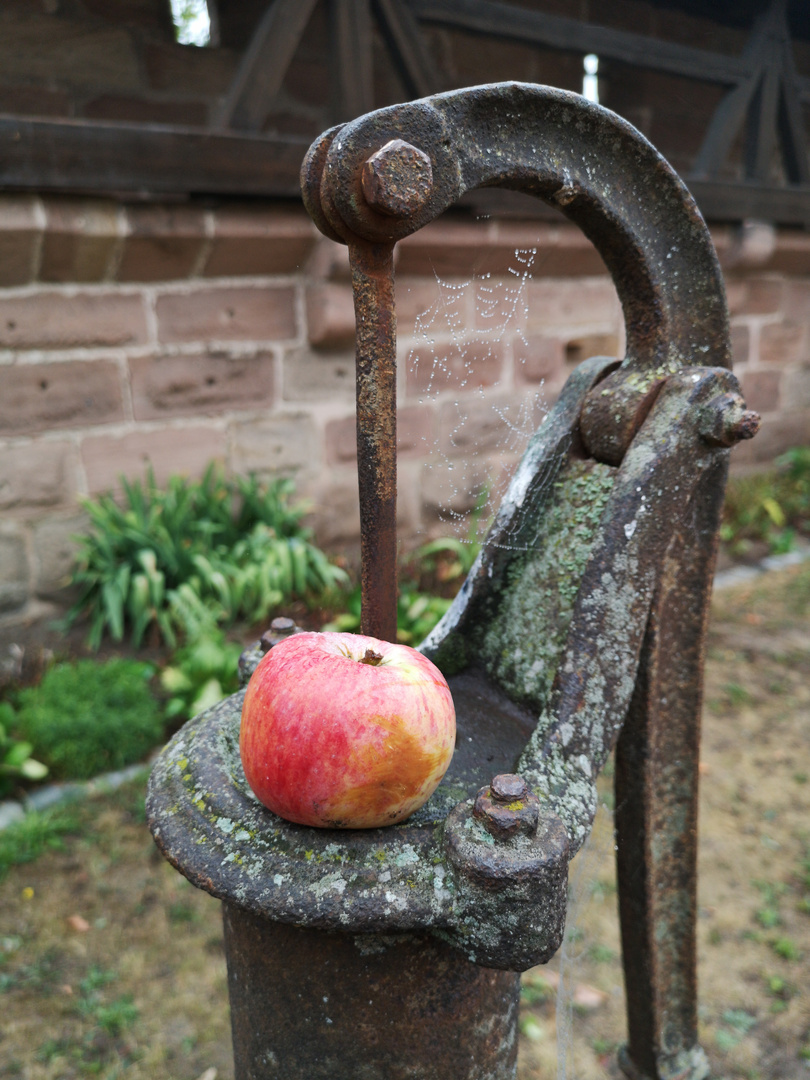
<point x="345" y="731"/>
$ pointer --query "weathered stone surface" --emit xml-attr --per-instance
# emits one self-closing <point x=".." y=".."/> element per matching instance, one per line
<point x="330" y="316"/>
<point x="777" y="434"/>
<point x="782" y="343"/>
<point x="572" y="304"/>
<point x="227" y="314"/>
<point x="309" y="376"/>
<point x="39" y="473"/>
<point x="55" y="554"/>
<point x="20" y="233"/>
<point x="761" y="390"/>
<point x="184" y="450"/>
<point x="53" y="320"/>
<point x="80" y="240"/>
<point x="740" y="343"/>
<point x="796" y="391"/>
<point x="203" y="383"/>
<point x="162" y="243"/>
<point x="14" y="572"/>
<point x="42" y="397"/>
<point x="259" y="241"/>
<point x="276" y="444"/>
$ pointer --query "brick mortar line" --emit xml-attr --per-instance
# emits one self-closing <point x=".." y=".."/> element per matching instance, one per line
<point x="238" y="349"/>
<point x="130" y="288"/>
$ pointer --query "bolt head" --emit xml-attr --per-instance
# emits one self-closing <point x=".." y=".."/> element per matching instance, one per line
<point x="397" y="180"/>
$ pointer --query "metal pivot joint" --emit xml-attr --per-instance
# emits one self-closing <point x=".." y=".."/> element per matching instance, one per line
<point x="553" y="662"/>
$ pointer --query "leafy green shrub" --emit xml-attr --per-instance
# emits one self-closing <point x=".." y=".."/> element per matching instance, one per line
<point x="204" y="670"/>
<point x="16" y="762"/>
<point x="237" y="545"/>
<point x="772" y="506"/>
<point x="85" y="718"/>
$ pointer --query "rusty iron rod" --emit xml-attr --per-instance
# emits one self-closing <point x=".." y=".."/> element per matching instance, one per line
<point x="372" y="268"/>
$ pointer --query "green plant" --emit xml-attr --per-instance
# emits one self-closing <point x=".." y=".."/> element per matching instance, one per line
<point x="112" y="1017"/>
<point x="417" y="614"/>
<point x="772" y="506"/>
<point x="88" y="717"/>
<point x="786" y="948"/>
<point x="16" y="762"/>
<point x="236" y="546"/>
<point x="202" y="672"/>
<point x="39" y="831"/>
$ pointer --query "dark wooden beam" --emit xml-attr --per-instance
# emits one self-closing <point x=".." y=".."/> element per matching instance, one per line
<point x="94" y="156"/>
<point x="352" y="58"/>
<point x="404" y="39"/>
<point x="760" y="135"/>
<point x="720" y="201"/>
<point x="262" y="69"/>
<point x="556" y="32"/>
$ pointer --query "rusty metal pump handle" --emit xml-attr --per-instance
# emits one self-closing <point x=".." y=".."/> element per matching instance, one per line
<point x="376" y="180"/>
<point x="578" y="156"/>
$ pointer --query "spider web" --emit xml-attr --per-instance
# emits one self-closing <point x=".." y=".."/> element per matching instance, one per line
<point x="487" y="422"/>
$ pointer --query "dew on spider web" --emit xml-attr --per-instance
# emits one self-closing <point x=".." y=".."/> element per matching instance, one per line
<point x="463" y="361"/>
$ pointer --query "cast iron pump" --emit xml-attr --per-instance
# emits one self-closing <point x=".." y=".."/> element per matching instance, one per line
<point x="394" y="953"/>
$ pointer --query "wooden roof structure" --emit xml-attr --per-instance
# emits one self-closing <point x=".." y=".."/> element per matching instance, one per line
<point x="298" y="66"/>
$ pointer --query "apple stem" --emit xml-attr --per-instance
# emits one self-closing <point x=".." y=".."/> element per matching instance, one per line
<point x="372" y="658"/>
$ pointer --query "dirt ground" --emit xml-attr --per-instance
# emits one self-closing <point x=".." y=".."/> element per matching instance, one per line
<point x="111" y="965"/>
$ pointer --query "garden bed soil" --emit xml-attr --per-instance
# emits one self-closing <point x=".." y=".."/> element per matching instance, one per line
<point x="111" y="964"/>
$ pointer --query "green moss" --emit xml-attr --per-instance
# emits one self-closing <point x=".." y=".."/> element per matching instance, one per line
<point x="87" y="718"/>
<point x="520" y="649"/>
<point x="452" y="656"/>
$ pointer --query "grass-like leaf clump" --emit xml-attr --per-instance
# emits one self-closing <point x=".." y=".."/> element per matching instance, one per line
<point x="39" y="831"/>
<point x="235" y="545"/>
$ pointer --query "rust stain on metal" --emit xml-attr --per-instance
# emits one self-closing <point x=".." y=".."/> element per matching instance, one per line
<point x="372" y="267"/>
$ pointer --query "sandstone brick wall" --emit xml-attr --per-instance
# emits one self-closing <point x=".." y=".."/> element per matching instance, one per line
<point x="174" y="335"/>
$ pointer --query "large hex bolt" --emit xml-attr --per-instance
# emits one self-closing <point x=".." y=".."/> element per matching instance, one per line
<point x="507" y="807"/>
<point x="398" y="179"/>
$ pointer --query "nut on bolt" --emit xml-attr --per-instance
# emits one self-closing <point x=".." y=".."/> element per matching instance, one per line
<point x="507" y="807"/>
<point x="397" y="180"/>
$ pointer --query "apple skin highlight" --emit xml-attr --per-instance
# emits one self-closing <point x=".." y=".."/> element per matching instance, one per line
<point x="335" y="741"/>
